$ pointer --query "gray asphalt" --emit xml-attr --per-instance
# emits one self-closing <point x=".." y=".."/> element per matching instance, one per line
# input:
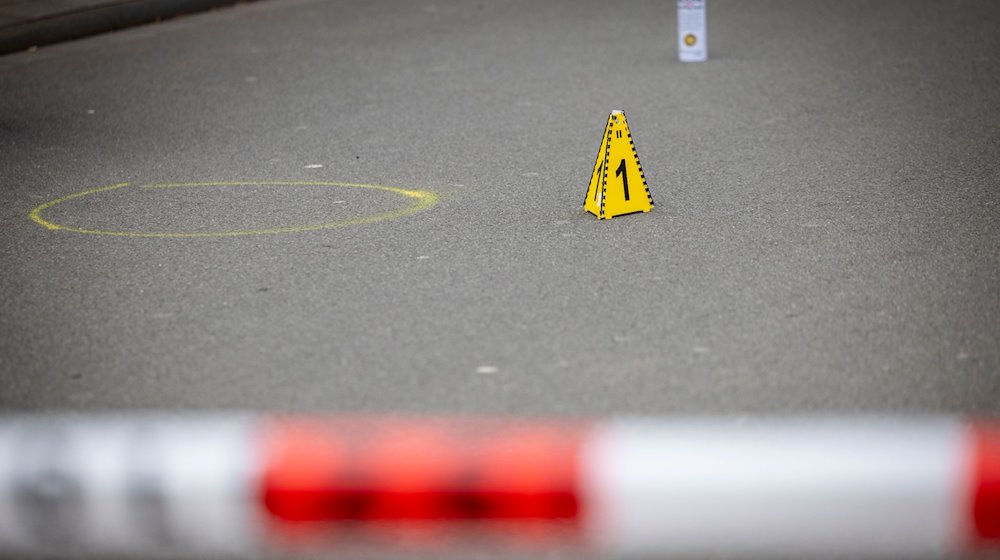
<point x="826" y="235"/>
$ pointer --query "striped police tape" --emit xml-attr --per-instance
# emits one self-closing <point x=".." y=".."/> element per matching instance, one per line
<point x="244" y="485"/>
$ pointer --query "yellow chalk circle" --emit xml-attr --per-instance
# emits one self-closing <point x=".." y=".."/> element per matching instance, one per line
<point x="420" y="201"/>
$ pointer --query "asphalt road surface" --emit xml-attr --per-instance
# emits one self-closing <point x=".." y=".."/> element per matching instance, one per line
<point x="826" y="235"/>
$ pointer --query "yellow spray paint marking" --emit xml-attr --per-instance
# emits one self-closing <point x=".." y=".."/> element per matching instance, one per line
<point x="618" y="185"/>
<point x="421" y="200"/>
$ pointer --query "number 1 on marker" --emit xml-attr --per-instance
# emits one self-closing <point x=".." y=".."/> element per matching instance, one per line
<point x="621" y="171"/>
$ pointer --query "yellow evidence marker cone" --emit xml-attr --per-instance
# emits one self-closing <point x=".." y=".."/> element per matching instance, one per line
<point x="622" y="193"/>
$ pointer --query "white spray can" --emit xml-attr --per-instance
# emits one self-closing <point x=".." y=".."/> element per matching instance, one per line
<point x="692" y="40"/>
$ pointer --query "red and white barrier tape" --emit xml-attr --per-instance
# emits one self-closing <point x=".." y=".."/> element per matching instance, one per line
<point x="243" y="485"/>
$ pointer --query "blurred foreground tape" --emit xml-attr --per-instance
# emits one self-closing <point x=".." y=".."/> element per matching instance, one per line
<point x="244" y="486"/>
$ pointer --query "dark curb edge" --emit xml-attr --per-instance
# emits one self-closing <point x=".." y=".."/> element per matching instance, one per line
<point x="76" y="24"/>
